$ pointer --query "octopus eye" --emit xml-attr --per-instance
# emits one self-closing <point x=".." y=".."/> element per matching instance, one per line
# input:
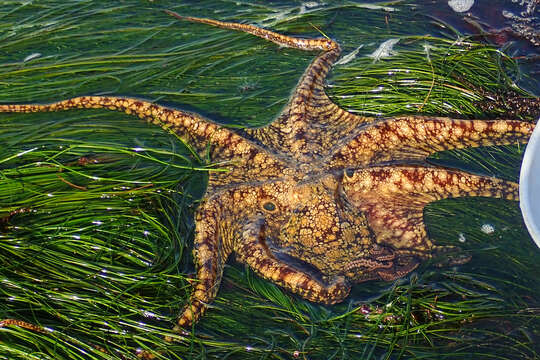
<point x="269" y="206"/>
<point x="349" y="172"/>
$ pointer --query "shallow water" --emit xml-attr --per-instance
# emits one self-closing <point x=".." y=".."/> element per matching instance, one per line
<point x="79" y="264"/>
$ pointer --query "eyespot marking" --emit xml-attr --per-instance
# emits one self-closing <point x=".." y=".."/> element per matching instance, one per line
<point x="269" y="206"/>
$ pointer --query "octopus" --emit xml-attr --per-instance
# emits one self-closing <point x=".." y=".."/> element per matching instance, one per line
<point x="320" y="198"/>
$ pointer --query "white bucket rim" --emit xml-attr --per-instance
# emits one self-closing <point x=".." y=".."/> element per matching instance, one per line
<point x="530" y="210"/>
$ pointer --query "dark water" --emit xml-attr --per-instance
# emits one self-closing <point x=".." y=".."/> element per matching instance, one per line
<point x="513" y="26"/>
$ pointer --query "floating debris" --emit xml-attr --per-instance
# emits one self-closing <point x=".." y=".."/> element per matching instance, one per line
<point x="309" y="5"/>
<point x="31" y="57"/>
<point x="384" y="50"/>
<point x="349" y="57"/>
<point x="374" y="7"/>
<point x="487" y="229"/>
<point x="312" y="4"/>
<point x="461" y="5"/>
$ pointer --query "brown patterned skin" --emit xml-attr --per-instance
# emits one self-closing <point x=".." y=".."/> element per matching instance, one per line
<point x="320" y="198"/>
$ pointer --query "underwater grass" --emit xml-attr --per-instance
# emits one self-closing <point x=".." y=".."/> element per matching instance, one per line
<point x="97" y="206"/>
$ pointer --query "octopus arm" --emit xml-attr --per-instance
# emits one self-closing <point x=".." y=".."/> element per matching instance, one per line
<point x="190" y="126"/>
<point x="416" y="137"/>
<point x="310" y="123"/>
<point x="393" y="200"/>
<point x="240" y="158"/>
<point x="212" y="246"/>
<point x="253" y="252"/>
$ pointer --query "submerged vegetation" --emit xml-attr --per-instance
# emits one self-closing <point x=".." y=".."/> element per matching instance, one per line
<point x="96" y="206"/>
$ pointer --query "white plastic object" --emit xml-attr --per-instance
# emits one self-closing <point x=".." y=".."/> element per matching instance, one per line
<point x="529" y="186"/>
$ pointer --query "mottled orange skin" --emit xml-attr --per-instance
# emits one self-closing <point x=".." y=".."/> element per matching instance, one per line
<point x="320" y="198"/>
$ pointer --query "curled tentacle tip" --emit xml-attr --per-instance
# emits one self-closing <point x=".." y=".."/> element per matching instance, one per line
<point x="175" y="14"/>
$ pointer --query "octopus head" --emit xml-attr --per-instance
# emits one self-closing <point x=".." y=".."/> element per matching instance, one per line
<point x="314" y="225"/>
